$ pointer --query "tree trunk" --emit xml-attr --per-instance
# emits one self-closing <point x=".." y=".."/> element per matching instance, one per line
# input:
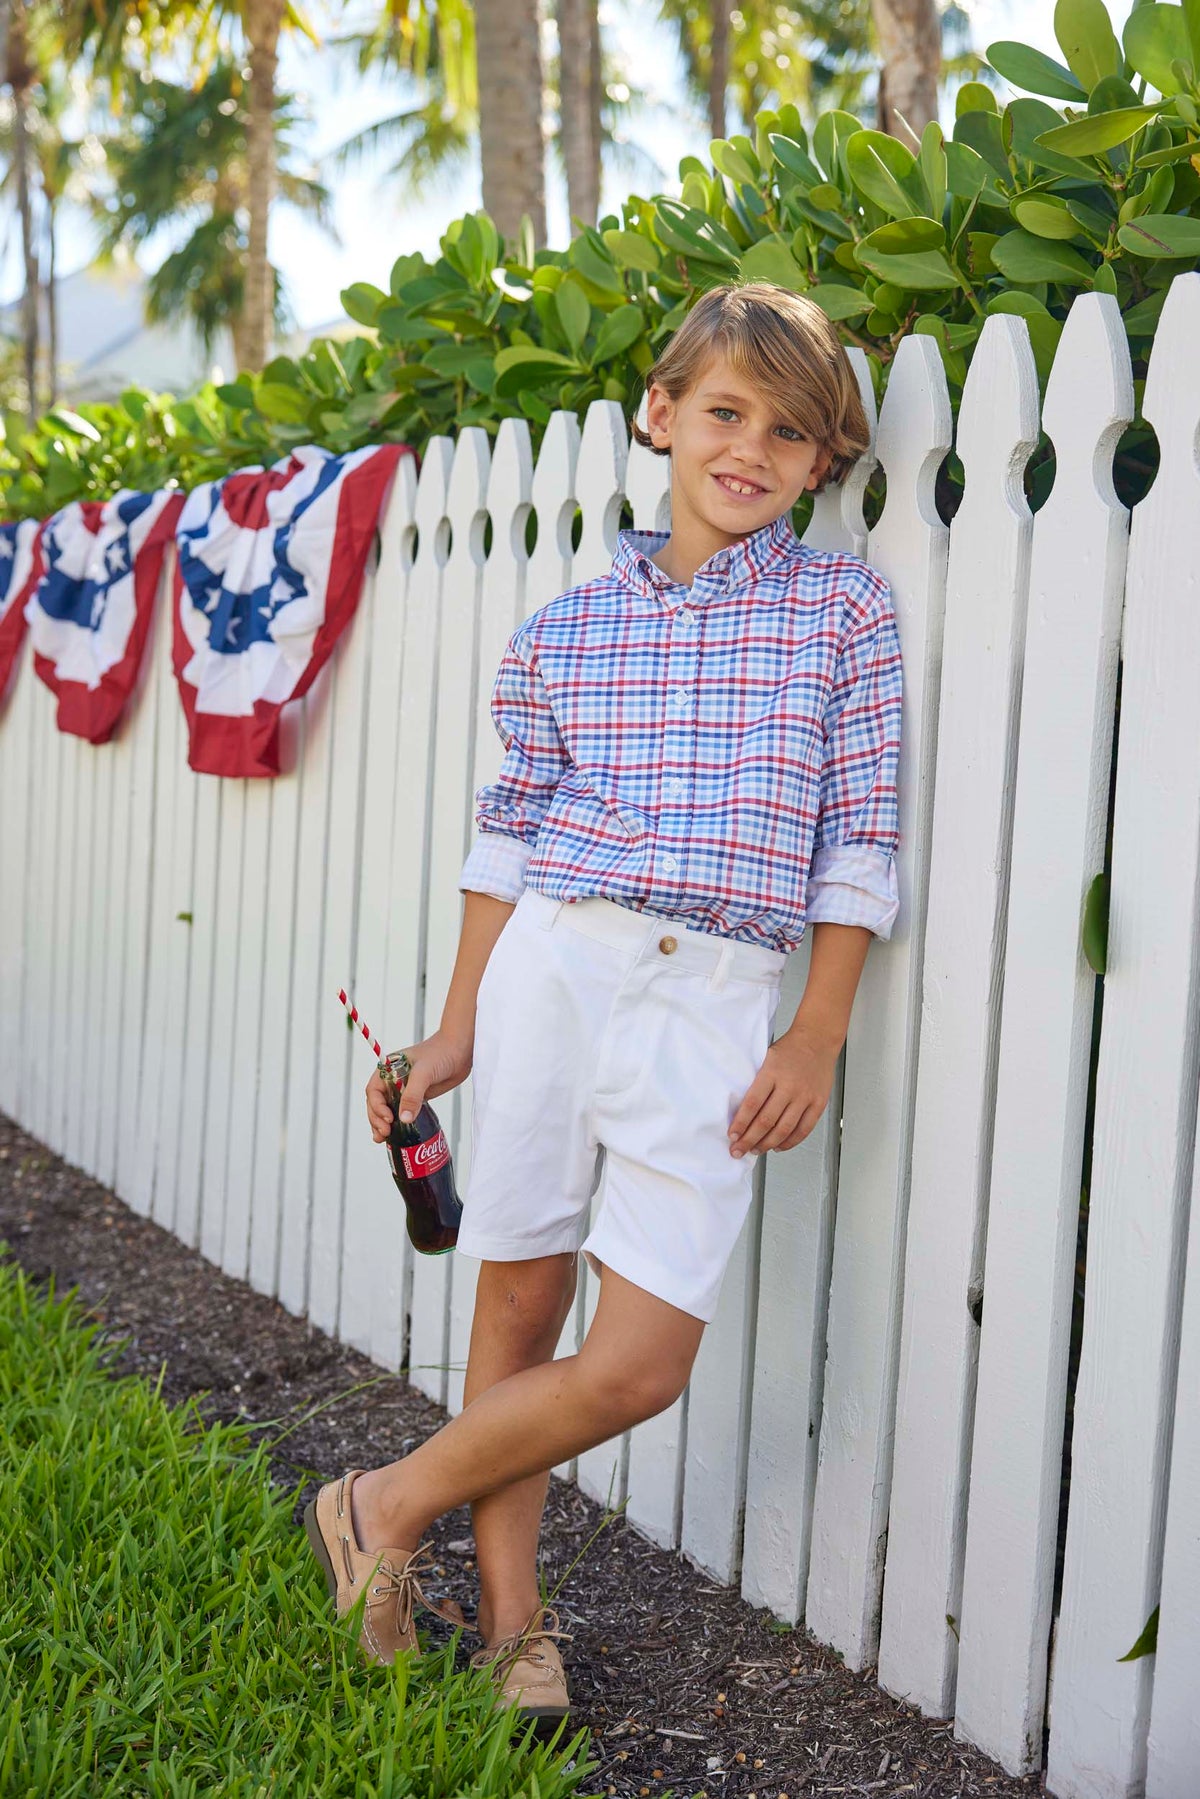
<point x="910" y="56"/>
<point x="579" y="105"/>
<point x="52" y="294"/>
<point x="263" y="21"/>
<point x="20" y="76"/>
<point x="718" y="67"/>
<point x="512" y="151"/>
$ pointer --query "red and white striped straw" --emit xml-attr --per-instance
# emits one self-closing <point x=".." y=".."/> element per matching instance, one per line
<point x="365" y="1029"/>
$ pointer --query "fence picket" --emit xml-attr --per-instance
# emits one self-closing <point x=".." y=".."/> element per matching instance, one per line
<point x="1145" y="1110"/>
<point x="226" y="986"/>
<point x="980" y="699"/>
<point x="180" y="901"/>
<point x="373" y="1246"/>
<point x="17" y="776"/>
<point x="909" y="546"/>
<point x="1060" y="807"/>
<point x="502" y="606"/>
<point x="195" y="1095"/>
<point x="248" y="1039"/>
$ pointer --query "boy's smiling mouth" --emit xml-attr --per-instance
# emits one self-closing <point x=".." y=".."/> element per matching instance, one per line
<point x="739" y="487"/>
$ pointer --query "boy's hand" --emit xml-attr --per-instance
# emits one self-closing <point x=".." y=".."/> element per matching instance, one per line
<point x="788" y="1094"/>
<point x="439" y="1063"/>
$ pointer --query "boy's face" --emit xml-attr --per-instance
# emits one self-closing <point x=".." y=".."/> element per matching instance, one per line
<point x="736" y="463"/>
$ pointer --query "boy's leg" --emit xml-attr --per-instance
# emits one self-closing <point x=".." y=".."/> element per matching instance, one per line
<point x="635" y="1360"/>
<point x="520" y="1308"/>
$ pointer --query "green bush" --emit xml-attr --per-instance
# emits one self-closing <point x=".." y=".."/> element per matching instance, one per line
<point x="1020" y="211"/>
<point x="164" y="1629"/>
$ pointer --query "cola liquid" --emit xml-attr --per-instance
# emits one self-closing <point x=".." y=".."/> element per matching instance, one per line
<point x="421" y="1167"/>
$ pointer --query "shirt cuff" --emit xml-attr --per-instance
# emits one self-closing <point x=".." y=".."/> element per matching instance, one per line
<point x="852" y="884"/>
<point x="496" y="865"/>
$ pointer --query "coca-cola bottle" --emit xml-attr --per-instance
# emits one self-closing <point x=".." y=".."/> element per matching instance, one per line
<point x="421" y="1167"/>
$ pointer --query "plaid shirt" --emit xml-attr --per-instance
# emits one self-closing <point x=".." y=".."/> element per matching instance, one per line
<point x="723" y="755"/>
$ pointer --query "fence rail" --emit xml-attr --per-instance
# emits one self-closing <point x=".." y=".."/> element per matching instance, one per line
<point x="873" y="1435"/>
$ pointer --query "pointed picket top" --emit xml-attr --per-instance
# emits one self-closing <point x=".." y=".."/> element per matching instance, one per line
<point x="648" y="483"/>
<point x="433" y="491"/>
<point x="998" y="417"/>
<point x="600" y="481"/>
<point x="1171" y="402"/>
<point x="837" y="521"/>
<point x="1089" y="396"/>
<point x="510" y="489"/>
<point x="554" y="505"/>
<point x="466" y="497"/>
<point x="915" y="432"/>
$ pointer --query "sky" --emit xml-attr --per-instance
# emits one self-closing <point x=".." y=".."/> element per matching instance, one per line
<point x="376" y="221"/>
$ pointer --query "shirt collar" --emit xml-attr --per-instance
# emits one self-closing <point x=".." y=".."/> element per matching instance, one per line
<point x="741" y="564"/>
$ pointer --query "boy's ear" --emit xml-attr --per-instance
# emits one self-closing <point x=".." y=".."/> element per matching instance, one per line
<point x="819" y="468"/>
<point x="660" y="410"/>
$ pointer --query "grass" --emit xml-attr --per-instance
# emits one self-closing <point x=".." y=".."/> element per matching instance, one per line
<point x="164" y="1629"/>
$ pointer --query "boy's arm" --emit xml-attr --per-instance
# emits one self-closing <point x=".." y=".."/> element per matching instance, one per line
<point x="509" y="811"/>
<point x="851" y="893"/>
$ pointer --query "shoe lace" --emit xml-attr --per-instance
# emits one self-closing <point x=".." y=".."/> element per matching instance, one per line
<point x="524" y="1644"/>
<point x="404" y="1582"/>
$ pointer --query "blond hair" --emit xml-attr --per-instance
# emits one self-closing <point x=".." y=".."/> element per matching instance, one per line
<point x="785" y="346"/>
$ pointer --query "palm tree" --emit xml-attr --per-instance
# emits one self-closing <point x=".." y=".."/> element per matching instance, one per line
<point x="580" y="87"/>
<point x="508" y="49"/>
<point x="20" y="74"/>
<point x="910" y="49"/>
<point x="184" y="157"/>
<point x="125" y="32"/>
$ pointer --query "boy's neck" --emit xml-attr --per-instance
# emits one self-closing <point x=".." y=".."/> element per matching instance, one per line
<point x="691" y="543"/>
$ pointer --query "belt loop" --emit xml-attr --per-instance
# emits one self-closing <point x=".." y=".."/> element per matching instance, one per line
<point x="547" y="916"/>
<point x="720" y="973"/>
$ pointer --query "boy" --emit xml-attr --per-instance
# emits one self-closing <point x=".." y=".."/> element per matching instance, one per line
<point x="701" y="755"/>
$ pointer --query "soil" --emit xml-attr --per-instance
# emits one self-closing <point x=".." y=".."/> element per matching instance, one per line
<point x="687" y="1690"/>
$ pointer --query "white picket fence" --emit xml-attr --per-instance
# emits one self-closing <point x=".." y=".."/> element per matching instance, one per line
<point x="872" y="1436"/>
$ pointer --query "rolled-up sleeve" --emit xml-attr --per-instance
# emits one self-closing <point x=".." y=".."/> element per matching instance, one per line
<point x="510" y="809"/>
<point x="852" y="877"/>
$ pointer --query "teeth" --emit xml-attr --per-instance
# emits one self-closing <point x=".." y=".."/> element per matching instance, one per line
<point x="739" y="486"/>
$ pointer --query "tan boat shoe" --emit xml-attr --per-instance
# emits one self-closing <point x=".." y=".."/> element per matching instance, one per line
<point x="389" y="1577"/>
<point x="527" y="1669"/>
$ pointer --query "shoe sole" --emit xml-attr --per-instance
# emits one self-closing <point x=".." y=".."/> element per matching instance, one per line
<point x="317" y="1544"/>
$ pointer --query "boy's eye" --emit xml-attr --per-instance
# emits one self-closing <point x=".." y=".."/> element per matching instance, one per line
<point x="789" y="432"/>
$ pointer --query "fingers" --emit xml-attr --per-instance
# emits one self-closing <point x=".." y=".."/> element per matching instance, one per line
<point x="379" y="1112"/>
<point x="774" y="1126"/>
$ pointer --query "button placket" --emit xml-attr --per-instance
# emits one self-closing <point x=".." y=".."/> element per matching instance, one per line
<point x="677" y="735"/>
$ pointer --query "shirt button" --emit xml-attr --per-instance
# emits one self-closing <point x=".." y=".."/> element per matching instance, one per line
<point x="683" y="700"/>
<point x="683" y="616"/>
<point x="667" y="945"/>
<point x="669" y="864"/>
<point x="674" y="786"/>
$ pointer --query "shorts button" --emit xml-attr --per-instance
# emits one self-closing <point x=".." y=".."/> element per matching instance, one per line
<point x="667" y="945"/>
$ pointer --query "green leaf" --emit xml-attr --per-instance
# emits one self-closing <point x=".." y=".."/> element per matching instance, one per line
<point x="880" y="167"/>
<point x="1023" y="305"/>
<point x="923" y="271"/>
<point x="634" y="251"/>
<point x="1147" y="1643"/>
<point x="771" y="260"/>
<point x="277" y="401"/>
<point x="1023" y="257"/>
<point x="900" y="236"/>
<point x="596" y="265"/>
<point x="831" y="133"/>
<point x="967" y="174"/>
<point x="1161" y="234"/>
<point x="1142" y="320"/>
<point x="838" y="301"/>
<point x="1045" y="216"/>
<point x="824" y="195"/>
<point x="1095" y="924"/>
<point x="619" y="330"/>
<point x="1099" y="132"/>
<point x="794" y="157"/>
<point x="1087" y="40"/>
<point x="931" y="161"/>
<point x="1031" y="69"/>
<point x="1028" y="119"/>
<point x="574" y="312"/>
<point x="63" y="419"/>
<point x="974" y="96"/>
<point x="362" y="301"/>
<point x="731" y="162"/>
<point x="693" y="233"/>
<point x="1156" y="37"/>
<point x="525" y="366"/>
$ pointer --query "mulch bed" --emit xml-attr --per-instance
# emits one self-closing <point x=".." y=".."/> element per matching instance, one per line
<point x="687" y="1689"/>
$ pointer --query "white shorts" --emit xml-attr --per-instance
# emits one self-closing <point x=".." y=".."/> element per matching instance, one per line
<point x="612" y="1049"/>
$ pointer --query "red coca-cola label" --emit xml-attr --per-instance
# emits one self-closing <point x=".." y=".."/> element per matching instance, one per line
<point x="425" y="1158"/>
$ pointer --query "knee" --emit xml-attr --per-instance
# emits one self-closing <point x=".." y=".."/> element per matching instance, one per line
<point x="637" y="1389"/>
<point x="527" y="1302"/>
